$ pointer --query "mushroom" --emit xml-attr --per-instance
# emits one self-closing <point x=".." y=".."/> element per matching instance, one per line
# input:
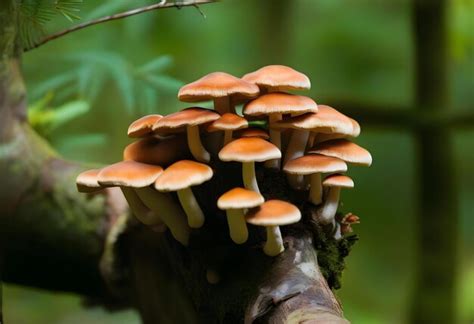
<point x="278" y="78"/>
<point x="274" y="105"/>
<point x="344" y="150"/>
<point x="234" y="202"/>
<point x="143" y="126"/>
<point x="221" y="88"/>
<point x="86" y="182"/>
<point x="253" y="132"/>
<point x="313" y="165"/>
<point x="228" y="123"/>
<point x="331" y="202"/>
<point x="179" y="177"/>
<point x="249" y="150"/>
<point x="156" y="151"/>
<point x="135" y="178"/>
<point x="272" y="214"/>
<point x="319" y="138"/>
<point x="188" y="120"/>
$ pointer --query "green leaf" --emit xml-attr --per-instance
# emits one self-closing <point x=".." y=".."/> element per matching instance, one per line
<point x="53" y="84"/>
<point x="165" y="83"/>
<point x="67" y="113"/>
<point x="156" y="65"/>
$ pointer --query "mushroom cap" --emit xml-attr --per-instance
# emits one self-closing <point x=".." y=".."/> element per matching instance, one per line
<point x="143" y="126"/>
<point x="87" y="181"/>
<point x="315" y="163"/>
<point x="253" y="132"/>
<point x="217" y="85"/>
<point x="338" y="180"/>
<point x="355" y="127"/>
<point x="344" y="150"/>
<point x="129" y="174"/>
<point x="280" y="103"/>
<point x="239" y="198"/>
<point x="248" y="149"/>
<point x="162" y="152"/>
<point x="228" y="121"/>
<point x="178" y="121"/>
<point x="183" y="174"/>
<point x="278" y="77"/>
<point x="274" y="213"/>
<point x="326" y="120"/>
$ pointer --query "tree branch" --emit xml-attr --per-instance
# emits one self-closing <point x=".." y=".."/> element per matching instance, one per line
<point x="129" y="13"/>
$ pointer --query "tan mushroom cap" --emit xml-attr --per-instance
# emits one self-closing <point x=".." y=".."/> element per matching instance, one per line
<point x="344" y="150"/>
<point x="183" y="174"/>
<point x="315" y="163"/>
<point x="87" y="181"/>
<point x="239" y="198"/>
<point x="217" y="85"/>
<point x="158" y="151"/>
<point x="129" y="174"/>
<point x="249" y="149"/>
<point x="280" y="103"/>
<point x="176" y="122"/>
<point x="338" y="180"/>
<point x="142" y="126"/>
<point x="274" y="213"/>
<point x="278" y="77"/>
<point x="326" y="120"/>
<point x="228" y="121"/>
<point x="253" y="132"/>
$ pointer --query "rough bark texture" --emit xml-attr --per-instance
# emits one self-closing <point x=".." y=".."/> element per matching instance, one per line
<point x="435" y="297"/>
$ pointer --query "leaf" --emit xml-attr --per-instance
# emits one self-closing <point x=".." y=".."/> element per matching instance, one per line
<point x="67" y="113"/>
<point x="164" y="82"/>
<point x="156" y="65"/>
<point x="53" y="84"/>
<point x="107" y="8"/>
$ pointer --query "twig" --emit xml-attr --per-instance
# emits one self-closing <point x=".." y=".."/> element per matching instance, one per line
<point x="129" y="13"/>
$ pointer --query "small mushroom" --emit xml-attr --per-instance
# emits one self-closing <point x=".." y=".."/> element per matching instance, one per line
<point x="274" y="105"/>
<point x="272" y="214"/>
<point x="228" y="123"/>
<point x="234" y="202"/>
<point x="253" y="132"/>
<point x="143" y="126"/>
<point x="86" y="182"/>
<point x="188" y="120"/>
<point x="278" y="78"/>
<point x="344" y="150"/>
<point x="221" y="88"/>
<point x="179" y="177"/>
<point x="313" y="165"/>
<point x="331" y="202"/>
<point x="135" y="178"/>
<point x="319" y="138"/>
<point x="249" y="150"/>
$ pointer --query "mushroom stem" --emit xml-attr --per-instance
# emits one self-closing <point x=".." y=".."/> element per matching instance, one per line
<point x="330" y="206"/>
<point x="164" y="205"/>
<point x="337" y="232"/>
<point x="138" y="208"/>
<point x="191" y="207"/>
<point x="237" y="226"/>
<point x="248" y="174"/>
<point x="227" y="136"/>
<point x="296" y="149"/>
<point x="316" y="190"/>
<point x="312" y="138"/>
<point x="274" y="244"/>
<point x="223" y="105"/>
<point x="275" y="138"/>
<point x="195" y="145"/>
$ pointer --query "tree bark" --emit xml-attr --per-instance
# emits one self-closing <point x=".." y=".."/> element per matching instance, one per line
<point x="55" y="238"/>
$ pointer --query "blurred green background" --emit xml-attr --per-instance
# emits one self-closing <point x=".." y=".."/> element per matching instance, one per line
<point x="86" y="88"/>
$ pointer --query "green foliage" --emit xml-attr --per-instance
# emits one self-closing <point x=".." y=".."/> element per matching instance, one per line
<point x="34" y="14"/>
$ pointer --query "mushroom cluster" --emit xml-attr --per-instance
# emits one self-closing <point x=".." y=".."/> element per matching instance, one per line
<point x="286" y="132"/>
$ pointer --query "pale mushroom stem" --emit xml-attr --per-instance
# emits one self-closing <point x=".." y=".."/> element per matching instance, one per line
<point x="275" y="138"/>
<point x="191" y="208"/>
<point x="296" y="149"/>
<point x="337" y="232"/>
<point x="223" y="105"/>
<point x="316" y="191"/>
<point x="312" y="138"/>
<point x="227" y="136"/>
<point x="248" y="174"/>
<point x="164" y="205"/>
<point x="195" y="145"/>
<point x="237" y="226"/>
<point x="330" y="206"/>
<point x="138" y="208"/>
<point x="274" y="244"/>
